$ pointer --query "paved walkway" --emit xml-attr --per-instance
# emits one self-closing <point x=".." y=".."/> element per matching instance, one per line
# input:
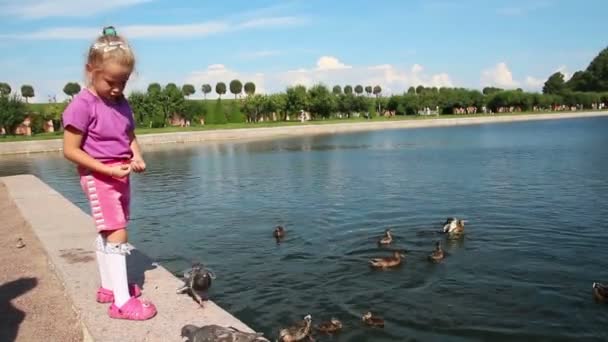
<point x="33" y="306"/>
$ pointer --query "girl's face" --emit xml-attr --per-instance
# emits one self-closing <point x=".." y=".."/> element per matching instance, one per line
<point x="110" y="80"/>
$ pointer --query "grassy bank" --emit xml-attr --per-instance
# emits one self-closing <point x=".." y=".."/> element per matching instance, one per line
<point x="142" y="130"/>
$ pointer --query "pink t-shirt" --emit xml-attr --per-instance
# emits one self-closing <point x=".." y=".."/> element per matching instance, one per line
<point x="105" y="126"/>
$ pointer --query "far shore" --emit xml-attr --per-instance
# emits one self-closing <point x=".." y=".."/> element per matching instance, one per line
<point x="311" y="128"/>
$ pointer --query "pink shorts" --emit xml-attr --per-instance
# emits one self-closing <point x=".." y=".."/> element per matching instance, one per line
<point x="109" y="198"/>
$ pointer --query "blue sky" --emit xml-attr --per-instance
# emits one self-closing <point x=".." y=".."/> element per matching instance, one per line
<point x="393" y="43"/>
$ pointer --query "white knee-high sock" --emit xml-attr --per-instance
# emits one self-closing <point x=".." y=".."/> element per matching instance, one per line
<point x="104" y="272"/>
<point x="117" y="262"/>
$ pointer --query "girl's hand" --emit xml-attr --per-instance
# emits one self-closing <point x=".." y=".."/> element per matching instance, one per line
<point x="120" y="171"/>
<point x="138" y="165"/>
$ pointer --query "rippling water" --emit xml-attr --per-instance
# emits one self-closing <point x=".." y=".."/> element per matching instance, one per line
<point x="535" y="193"/>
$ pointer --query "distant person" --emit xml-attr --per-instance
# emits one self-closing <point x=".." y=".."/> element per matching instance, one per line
<point x="99" y="138"/>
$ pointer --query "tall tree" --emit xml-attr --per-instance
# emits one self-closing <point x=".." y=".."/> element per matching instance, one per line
<point x="206" y="88"/>
<point x="337" y="90"/>
<point x="71" y="89"/>
<point x="369" y="89"/>
<point x="154" y="87"/>
<point x="322" y="103"/>
<point x="27" y="91"/>
<point x="188" y="89"/>
<point x="249" y="88"/>
<point x="411" y="91"/>
<point x="220" y="88"/>
<point x="348" y="89"/>
<point x="598" y="68"/>
<point x="555" y="84"/>
<point x="377" y="91"/>
<point x="5" y="89"/>
<point x="359" y="89"/>
<point x="236" y="87"/>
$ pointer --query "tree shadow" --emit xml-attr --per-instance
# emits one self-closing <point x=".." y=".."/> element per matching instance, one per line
<point x="10" y="316"/>
<point x="137" y="264"/>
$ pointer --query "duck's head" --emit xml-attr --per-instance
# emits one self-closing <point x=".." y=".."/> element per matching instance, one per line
<point x="449" y="224"/>
<point x="461" y="222"/>
<point x="366" y="316"/>
<point x="336" y="322"/>
<point x="188" y="330"/>
<point x="438" y="245"/>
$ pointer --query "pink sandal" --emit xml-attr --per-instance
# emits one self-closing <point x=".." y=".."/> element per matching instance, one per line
<point x="107" y="296"/>
<point x="134" y="310"/>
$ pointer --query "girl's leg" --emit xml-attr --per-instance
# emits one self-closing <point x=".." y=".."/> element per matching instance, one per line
<point x="102" y="263"/>
<point x="116" y="249"/>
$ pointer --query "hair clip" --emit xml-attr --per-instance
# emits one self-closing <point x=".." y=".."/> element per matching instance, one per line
<point x="109" y="46"/>
<point x="109" y="31"/>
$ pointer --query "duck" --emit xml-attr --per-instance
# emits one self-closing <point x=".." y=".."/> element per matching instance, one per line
<point x="600" y="292"/>
<point x="372" y="320"/>
<point x="278" y="233"/>
<point x="454" y="226"/>
<point x="387" y="239"/>
<point x="298" y="332"/>
<point x="386" y="262"/>
<point x="437" y="255"/>
<point x="333" y="326"/>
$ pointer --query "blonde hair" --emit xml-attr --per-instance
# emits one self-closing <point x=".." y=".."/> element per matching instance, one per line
<point x="110" y="47"/>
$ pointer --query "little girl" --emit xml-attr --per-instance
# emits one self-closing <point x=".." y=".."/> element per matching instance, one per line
<point x="99" y="137"/>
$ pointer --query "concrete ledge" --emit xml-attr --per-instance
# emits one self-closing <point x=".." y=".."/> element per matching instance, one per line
<point x="67" y="234"/>
<point x="286" y="131"/>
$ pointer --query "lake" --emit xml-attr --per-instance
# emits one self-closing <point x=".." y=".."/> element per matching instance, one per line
<point x="535" y="195"/>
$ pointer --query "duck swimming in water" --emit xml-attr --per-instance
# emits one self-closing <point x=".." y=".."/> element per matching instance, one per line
<point x="372" y="320"/>
<point x="454" y="226"/>
<point x="387" y="262"/>
<point x="437" y="254"/>
<point x="278" y="233"/>
<point x="333" y="326"/>
<point x="298" y="332"/>
<point x="387" y="239"/>
<point x="600" y="292"/>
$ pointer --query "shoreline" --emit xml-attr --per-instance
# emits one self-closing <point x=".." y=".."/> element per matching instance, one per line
<point x="261" y="133"/>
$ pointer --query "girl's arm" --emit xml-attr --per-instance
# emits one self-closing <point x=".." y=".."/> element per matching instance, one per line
<point x="137" y="163"/>
<point x="135" y="147"/>
<point x="72" y="139"/>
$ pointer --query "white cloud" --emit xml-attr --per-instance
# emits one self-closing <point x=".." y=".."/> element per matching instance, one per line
<point x="564" y="70"/>
<point x="533" y="83"/>
<point x="328" y="70"/>
<point x="261" y="54"/>
<point x="330" y="63"/>
<point x="220" y="73"/>
<point x="155" y="31"/>
<point x="524" y="9"/>
<point x="499" y="76"/>
<point x="34" y="9"/>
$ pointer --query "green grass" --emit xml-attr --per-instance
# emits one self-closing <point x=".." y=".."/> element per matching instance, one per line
<point x="209" y="127"/>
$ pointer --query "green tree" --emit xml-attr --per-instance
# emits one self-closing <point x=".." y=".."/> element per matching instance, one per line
<point x="368" y="90"/>
<point x="297" y="99"/>
<point x="71" y="89"/>
<point x="236" y="87"/>
<point x="188" y="89"/>
<point x="12" y="112"/>
<point x="378" y="91"/>
<point x="336" y="90"/>
<point x="580" y="81"/>
<point x="491" y="90"/>
<point x="249" y="88"/>
<point x="598" y="69"/>
<point x="154" y="87"/>
<point x="171" y="87"/>
<point x="359" y="89"/>
<point x="220" y="89"/>
<point x="5" y="89"/>
<point x="411" y="91"/>
<point x="555" y="84"/>
<point x="27" y="91"/>
<point x="322" y="103"/>
<point x="254" y="106"/>
<point x="206" y="88"/>
<point x="348" y="89"/>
